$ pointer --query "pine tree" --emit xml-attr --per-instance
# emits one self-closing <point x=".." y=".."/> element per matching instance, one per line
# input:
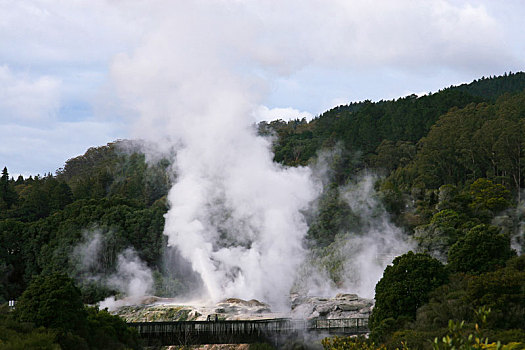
<point x="8" y="195"/>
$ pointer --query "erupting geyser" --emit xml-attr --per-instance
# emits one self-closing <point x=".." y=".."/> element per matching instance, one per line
<point x="234" y="214"/>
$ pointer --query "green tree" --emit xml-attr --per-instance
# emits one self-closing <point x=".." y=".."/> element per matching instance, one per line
<point x="53" y="301"/>
<point x="22" y="336"/>
<point x="12" y="282"/>
<point x="482" y="249"/>
<point x="441" y="233"/>
<point x="334" y="216"/>
<point x="390" y="155"/>
<point x="108" y="332"/>
<point x="404" y="287"/>
<point x="8" y="195"/>
<point x="488" y="198"/>
<point x="503" y="292"/>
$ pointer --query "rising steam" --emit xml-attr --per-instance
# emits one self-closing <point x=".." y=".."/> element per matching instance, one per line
<point x="355" y="261"/>
<point x="131" y="277"/>
<point x="234" y="214"/>
<point x="368" y="251"/>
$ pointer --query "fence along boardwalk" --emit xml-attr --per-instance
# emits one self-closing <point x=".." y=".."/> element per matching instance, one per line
<point x="237" y="332"/>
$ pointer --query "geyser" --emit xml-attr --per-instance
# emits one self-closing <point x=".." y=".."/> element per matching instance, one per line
<point x="234" y="213"/>
<point x="193" y="86"/>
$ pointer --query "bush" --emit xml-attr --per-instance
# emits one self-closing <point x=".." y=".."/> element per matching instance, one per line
<point x="404" y="287"/>
<point x="350" y="343"/>
<point x="482" y="249"/>
<point x="53" y="301"/>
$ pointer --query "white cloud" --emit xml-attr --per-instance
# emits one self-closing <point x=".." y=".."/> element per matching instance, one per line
<point x="289" y="113"/>
<point x="53" y="57"/>
<point x="412" y="35"/>
<point x="44" y="34"/>
<point x="27" y="100"/>
<point x="36" y="139"/>
<point x="262" y="46"/>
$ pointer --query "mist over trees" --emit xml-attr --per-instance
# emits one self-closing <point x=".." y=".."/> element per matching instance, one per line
<point x="452" y="167"/>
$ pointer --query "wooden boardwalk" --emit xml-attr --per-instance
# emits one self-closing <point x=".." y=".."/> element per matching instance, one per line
<point x="245" y="331"/>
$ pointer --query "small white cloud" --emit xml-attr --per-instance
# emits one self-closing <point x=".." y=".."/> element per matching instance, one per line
<point x="338" y="101"/>
<point x="289" y="113"/>
<point x="27" y="99"/>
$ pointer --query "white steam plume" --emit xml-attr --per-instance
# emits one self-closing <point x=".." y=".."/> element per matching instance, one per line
<point x="355" y="261"/>
<point x="235" y="214"/>
<point x="86" y="255"/>
<point x="131" y="277"/>
<point x="368" y="252"/>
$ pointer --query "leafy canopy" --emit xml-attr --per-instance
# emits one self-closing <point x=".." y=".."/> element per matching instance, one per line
<point x="405" y="286"/>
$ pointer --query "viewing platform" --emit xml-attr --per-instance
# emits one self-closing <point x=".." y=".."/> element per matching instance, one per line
<point x="242" y="331"/>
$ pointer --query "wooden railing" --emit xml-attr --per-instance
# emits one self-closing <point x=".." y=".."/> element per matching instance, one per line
<point x="241" y="331"/>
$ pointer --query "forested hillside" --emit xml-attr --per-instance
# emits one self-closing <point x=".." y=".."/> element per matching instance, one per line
<point x="452" y="166"/>
<point x="107" y="189"/>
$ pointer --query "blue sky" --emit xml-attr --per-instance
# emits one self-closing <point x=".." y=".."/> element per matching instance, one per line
<point x="70" y="70"/>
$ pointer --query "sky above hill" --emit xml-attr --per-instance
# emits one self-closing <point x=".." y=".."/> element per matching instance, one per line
<point x="66" y="85"/>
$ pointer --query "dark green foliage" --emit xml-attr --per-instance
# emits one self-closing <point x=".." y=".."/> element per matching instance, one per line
<point x="12" y="262"/>
<point x="390" y="155"/>
<point x="500" y="291"/>
<point x="503" y="292"/>
<point x="46" y="245"/>
<point x="441" y="233"/>
<point x="8" y="196"/>
<point x="455" y="161"/>
<point x="394" y="201"/>
<point x="24" y="336"/>
<point x="482" y="249"/>
<point x="37" y="198"/>
<point x="53" y="301"/>
<point x="92" y="290"/>
<point x="365" y="126"/>
<point x="457" y="210"/>
<point x="488" y="198"/>
<point x="334" y="216"/>
<point x="493" y="87"/>
<point x="414" y="339"/>
<point x="508" y="336"/>
<point x="117" y="169"/>
<point x="404" y="287"/>
<point x="450" y="138"/>
<point x="109" y="332"/>
<point x="480" y="140"/>
<point x="447" y="302"/>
